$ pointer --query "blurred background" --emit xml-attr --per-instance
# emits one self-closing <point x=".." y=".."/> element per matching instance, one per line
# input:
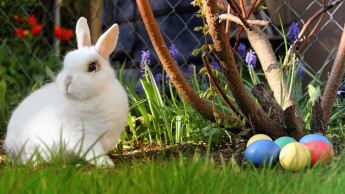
<point x="38" y="33"/>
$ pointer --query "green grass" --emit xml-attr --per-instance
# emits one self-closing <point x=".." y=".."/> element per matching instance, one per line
<point x="176" y="176"/>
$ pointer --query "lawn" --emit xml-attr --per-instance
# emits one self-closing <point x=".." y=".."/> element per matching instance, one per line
<point x="177" y="175"/>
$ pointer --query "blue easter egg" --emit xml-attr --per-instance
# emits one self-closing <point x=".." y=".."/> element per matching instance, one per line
<point x="262" y="152"/>
<point x="314" y="137"/>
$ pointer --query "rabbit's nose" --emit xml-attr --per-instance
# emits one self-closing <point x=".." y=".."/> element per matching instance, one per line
<point x="68" y="80"/>
<point x="68" y="83"/>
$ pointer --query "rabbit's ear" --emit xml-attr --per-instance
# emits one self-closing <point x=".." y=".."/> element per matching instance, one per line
<point x="107" y="42"/>
<point x="83" y="33"/>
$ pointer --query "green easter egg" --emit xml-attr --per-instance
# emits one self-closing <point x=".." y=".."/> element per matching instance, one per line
<point x="282" y="141"/>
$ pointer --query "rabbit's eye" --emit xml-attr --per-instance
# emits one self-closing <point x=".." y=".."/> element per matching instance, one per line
<point x="92" y="67"/>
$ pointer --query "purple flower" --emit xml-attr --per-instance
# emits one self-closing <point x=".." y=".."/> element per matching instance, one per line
<point x="251" y="58"/>
<point x="293" y="33"/>
<point x="301" y="72"/>
<point x="174" y="53"/>
<point x="340" y="92"/>
<point x="145" y="57"/>
<point x="158" y="77"/>
<point x="139" y="89"/>
<point x="241" y="49"/>
<point x="216" y="66"/>
<point x="167" y="78"/>
<point x="190" y="68"/>
<point x="205" y="86"/>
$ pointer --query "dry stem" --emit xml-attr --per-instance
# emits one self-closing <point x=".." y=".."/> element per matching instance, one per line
<point x="235" y="19"/>
<point x="234" y="6"/>
<point x="218" y="87"/>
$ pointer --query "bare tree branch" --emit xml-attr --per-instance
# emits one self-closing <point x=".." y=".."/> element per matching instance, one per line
<point x="238" y="21"/>
<point x="224" y="54"/>
<point x="304" y="29"/>
<point x="173" y="71"/>
<point x="241" y="29"/>
<point x="242" y="9"/>
<point x="270" y="65"/>
<point x="334" y="80"/>
<point x="237" y="11"/>
<point x="218" y="87"/>
<point x="260" y="43"/>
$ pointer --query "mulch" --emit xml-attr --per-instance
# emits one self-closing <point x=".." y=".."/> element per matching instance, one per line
<point x="150" y="151"/>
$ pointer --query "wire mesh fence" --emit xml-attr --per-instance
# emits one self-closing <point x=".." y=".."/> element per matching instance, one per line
<point x="38" y="33"/>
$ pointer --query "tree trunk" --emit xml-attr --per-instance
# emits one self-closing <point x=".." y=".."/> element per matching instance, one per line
<point x="254" y="114"/>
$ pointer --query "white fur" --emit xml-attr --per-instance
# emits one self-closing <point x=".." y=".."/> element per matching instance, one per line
<point x="78" y="105"/>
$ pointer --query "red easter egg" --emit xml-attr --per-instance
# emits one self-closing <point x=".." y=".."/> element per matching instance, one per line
<point x="319" y="151"/>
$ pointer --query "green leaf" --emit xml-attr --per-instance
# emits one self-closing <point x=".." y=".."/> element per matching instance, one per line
<point x="202" y="71"/>
<point x="198" y="28"/>
<point x="36" y="86"/>
<point x="196" y="52"/>
<point x="313" y="92"/>
<point x="244" y="132"/>
<point x="3" y="106"/>
<point x="50" y="73"/>
<point x="3" y="50"/>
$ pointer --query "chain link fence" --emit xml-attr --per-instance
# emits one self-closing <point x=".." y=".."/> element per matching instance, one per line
<point x="35" y="45"/>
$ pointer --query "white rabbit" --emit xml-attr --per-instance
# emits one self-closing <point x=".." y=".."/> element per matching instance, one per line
<point x="85" y="107"/>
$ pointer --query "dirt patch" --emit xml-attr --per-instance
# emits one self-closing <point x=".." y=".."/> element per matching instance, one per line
<point x="148" y="152"/>
<point x="2" y="155"/>
<point x="144" y="152"/>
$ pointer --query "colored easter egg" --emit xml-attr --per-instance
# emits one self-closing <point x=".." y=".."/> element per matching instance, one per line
<point x="314" y="137"/>
<point x="320" y="152"/>
<point x="262" y="152"/>
<point x="294" y="156"/>
<point x="282" y="141"/>
<point x="258" y="137"/>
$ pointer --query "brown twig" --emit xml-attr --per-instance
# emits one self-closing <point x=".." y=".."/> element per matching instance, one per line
<point x="242" y="9"/>
<point x="222" y="51"/>
<point x="241" y="29"/>
<point x="227" y="26"/>
<point x="334" y="80"/>
<point x="237" y="12"/>
<point x="304" y="28"/>
<point x="235" y="19"/>
<point x="310" y="34"/>
<point x="315" y="16"/>
<point x="175" y="74"/>
<point x="219" y="87"/>
<point x="216" y="83"/>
